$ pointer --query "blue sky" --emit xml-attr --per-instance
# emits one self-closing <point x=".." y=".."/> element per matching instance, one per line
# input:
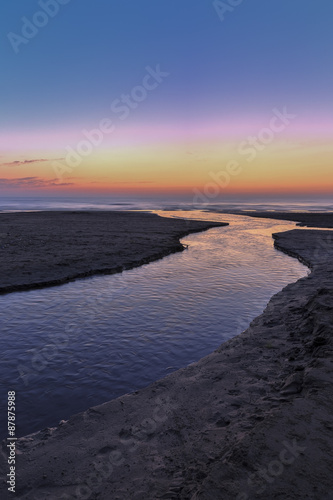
<point x="263" y="55"/>
<point x="90" y="52"/>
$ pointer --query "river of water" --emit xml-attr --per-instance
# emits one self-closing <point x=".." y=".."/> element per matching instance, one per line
<point x="66" y="348"/>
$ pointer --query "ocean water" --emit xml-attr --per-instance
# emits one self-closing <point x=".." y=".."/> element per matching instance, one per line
<point x="130" y="203"/>
<point x="66" y="348"/>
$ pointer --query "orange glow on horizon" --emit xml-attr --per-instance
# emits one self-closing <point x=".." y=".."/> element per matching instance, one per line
<point x="206" y="167"/>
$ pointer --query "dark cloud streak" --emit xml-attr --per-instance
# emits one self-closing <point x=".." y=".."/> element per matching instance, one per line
<point x="32" y="182"/>
<point x="17" y="163"/>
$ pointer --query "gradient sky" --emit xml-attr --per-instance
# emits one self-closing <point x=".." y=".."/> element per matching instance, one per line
<point x="225" y="78"/>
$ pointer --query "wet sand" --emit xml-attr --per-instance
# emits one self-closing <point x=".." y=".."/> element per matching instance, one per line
<point x="39" y="249"/>
<point x="252" y="420"/>
<point x="313" y="219"/>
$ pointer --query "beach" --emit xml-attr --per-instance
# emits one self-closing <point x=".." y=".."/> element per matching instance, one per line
<point x="166" y="244"/>
<point x="251" y="420"/>
<point x="308" y="219"/>
<point x="41" y="249"/>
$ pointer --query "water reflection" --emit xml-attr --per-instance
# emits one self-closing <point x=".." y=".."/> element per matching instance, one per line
<point x="67" y="348"/>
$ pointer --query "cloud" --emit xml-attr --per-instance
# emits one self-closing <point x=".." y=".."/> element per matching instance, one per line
<point x="17" y="163"/>
<point x="32" y="182"/>
<point x="132" y="182"/>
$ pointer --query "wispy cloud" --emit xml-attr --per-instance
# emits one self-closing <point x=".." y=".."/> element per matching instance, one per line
<point x="132" y="182"/>
<point x="32" y="182"/>
<point x="17" y="163"/>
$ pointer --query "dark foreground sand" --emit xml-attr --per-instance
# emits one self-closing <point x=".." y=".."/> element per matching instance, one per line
<point x="253" y="420"/>
<point x="39" y="249"/>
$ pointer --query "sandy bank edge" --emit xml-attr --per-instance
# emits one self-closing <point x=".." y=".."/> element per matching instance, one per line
<point x="251" y="420"/>
<point x="131" y="239"/>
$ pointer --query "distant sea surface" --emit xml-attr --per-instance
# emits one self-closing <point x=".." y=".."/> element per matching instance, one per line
<point x="8" y="204"/>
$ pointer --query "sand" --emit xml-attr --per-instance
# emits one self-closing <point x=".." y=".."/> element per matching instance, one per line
<point x="39" y="249"/>
<point x="313" y="219"/>
<point x="252" y="420"/>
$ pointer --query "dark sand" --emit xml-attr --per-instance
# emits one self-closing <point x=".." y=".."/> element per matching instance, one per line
<point x="314" y="219"/>
<point x="39" y="249"/>
<point x="252" y="420"/>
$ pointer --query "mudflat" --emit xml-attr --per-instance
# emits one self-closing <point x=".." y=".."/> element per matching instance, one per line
<point x="309" y="219"/>
<point x="39" y="249"/>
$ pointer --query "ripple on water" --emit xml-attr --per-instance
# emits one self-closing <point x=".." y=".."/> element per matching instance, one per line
<point x="66" y="348"/>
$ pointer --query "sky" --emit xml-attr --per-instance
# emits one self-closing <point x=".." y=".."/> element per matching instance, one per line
<point x="200" y="98"/>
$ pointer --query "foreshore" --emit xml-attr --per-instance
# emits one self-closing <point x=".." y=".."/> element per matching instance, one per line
<point x="308" y="219"/>
<point x="39" y="249"/>
<point x="252" y="420"/>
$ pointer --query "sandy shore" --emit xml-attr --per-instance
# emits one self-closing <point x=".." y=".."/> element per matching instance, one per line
<point x="252" y="420"/>
<point x="313" y="219"/>
<point x="39" y="249"/>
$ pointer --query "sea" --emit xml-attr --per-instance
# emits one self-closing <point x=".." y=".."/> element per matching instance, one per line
<point x="67" y="348"/>
<point x="304" y="204"/>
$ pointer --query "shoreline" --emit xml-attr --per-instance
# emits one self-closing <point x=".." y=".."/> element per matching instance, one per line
<point x="56" y="247"/>
<point x="303" y="219"/>
<point x="253" y="419"/>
